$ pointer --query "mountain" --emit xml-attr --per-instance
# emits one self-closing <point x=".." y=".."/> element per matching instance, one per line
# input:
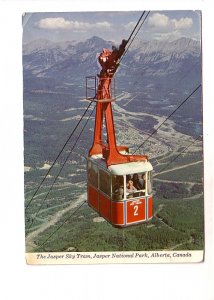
<point x="155" y="72"/>
<point x="164" y="58"/>
<point x="43" y="58"/>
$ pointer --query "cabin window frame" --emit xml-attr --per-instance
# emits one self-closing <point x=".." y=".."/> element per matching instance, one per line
<point x="149" y="180"/>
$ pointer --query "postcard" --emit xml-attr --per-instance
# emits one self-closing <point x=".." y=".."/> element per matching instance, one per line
<point x="113" y="137"/>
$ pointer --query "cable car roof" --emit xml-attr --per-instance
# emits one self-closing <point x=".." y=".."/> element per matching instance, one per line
<point x="123" y="169"/>
<point x="130" y="168"/>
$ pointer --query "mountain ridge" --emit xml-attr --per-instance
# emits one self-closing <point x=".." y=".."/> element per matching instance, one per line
<point x="43" y="58"/>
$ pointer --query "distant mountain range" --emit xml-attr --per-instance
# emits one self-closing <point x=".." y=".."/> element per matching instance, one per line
<point x="159" y="73"/>
<point x="43" y="58"/>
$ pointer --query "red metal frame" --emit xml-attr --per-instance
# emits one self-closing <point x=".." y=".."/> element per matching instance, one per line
<point x="109" y="61"/>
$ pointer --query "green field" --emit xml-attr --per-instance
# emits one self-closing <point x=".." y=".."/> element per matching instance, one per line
<point x="191" y="173"/>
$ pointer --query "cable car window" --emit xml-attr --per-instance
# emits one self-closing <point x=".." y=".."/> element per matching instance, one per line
<point x="105" y="182"/>
<point x="117" y="187"/>
<point x="92" y="174"/>
<point x="136" y="185"/>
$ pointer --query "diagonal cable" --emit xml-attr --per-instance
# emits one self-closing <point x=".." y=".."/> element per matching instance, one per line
<point x="135" y="33"/>
<point x="154" y="131"/>
<point x="58" y="228"/>
<point x="182" y="152"/>
<point x="57" y="157"/>
<point x="51" y="187"/>
<point x="136" y="26"/>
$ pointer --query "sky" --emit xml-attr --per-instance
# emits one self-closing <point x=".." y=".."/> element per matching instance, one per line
<point x="113" y="26"/>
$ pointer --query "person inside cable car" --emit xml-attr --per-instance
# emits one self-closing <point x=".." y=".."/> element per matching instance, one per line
<point x="142" y="180"/>
<point x="139" y="181"/>
<point x="118" y="188"/>
<point x="130" y="188"/>
<point x="128" y="177"/>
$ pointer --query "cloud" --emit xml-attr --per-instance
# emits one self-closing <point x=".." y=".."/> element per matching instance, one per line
<point x="183" y="23"/>
<point x="158" y="20"/>
<point x="61" y="23"/>
<point x="163" y="22"/>
<point x="130" y="25"/>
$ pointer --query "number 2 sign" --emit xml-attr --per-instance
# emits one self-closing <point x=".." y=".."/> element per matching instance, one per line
<point x="136" y="211"/>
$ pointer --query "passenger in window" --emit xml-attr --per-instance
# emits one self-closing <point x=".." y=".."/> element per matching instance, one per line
<point x="130" y="188"/>
<point x="142" y="180"/>
<point x="128" y="177"/>
<point x="138" y="182"/>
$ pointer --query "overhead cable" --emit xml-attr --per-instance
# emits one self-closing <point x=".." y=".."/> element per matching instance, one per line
<point x="154" y="131"/>
<point x="51" y="187"/>
<point x="65" y="144"/>
<point x="58" y="228"/>
<point x="176" y="157"/>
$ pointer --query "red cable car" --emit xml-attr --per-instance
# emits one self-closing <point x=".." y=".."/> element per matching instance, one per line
<point x="119" y="184"/>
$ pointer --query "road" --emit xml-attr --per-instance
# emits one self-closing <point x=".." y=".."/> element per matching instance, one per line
<point x="30" y="245"/>
<point x="177" y="168"/>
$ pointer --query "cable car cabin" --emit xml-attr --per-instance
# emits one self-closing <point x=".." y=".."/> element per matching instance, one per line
<point x="122" y="194"/>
